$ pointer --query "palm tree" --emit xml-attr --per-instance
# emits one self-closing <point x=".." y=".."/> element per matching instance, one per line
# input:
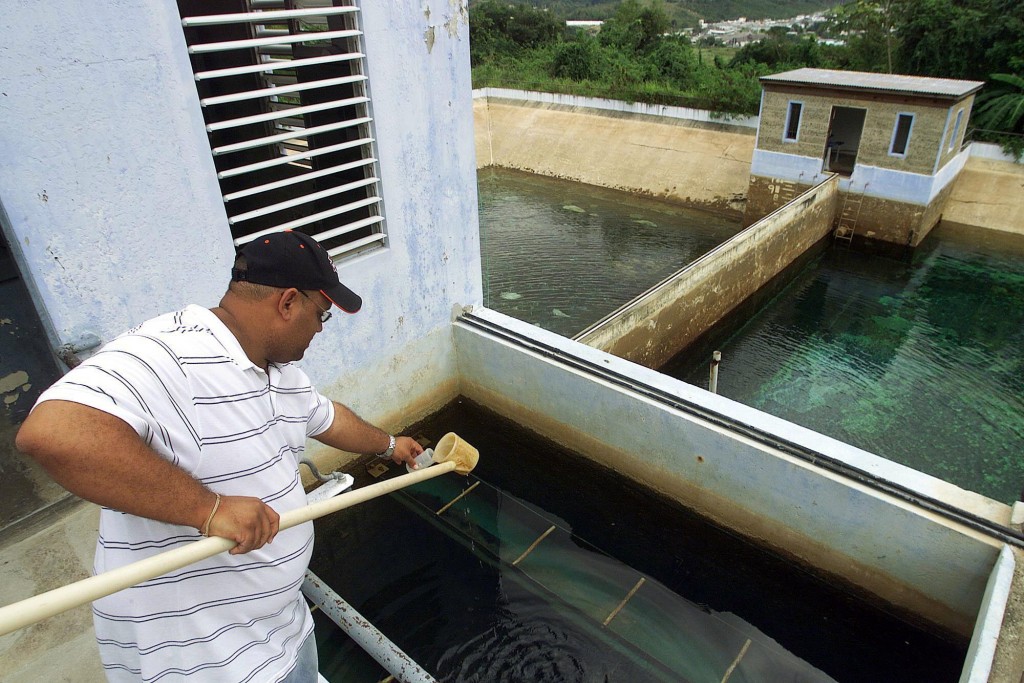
<point x="1001" y="109"/>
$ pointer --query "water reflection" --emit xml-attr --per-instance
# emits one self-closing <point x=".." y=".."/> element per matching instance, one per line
<point x="919" y="361"/>
<point x="562" y="255"/>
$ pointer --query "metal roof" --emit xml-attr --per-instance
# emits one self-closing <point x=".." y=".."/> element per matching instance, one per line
<point x="859" y="80"/>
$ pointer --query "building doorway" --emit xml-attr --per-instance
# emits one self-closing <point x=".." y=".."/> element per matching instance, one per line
<point x="845" y="127"/>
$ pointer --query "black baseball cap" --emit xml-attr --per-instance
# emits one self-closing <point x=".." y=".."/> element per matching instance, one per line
<point x="294" y="259"/>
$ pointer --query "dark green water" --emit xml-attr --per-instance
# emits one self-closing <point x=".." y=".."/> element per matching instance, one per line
<point x="562" y="255"/>
<point x="920" y="361"/>
<point x="449" y="591"/>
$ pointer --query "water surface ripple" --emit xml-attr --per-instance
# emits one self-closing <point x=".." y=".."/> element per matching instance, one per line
<point x="562" y="255"/>
<point x="920" y="361"/>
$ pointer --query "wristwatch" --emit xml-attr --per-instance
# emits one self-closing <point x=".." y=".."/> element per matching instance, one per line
<point x="390" y="449"/>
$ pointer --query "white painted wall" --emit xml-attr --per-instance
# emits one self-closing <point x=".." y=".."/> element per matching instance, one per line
<point x="106" y="172"/>
<point x="884" y="183"/>
<point x="113" y="208"/>
<point x="642" y="108"/>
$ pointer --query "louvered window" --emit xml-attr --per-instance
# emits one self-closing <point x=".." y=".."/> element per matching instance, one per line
<point x="285" y="99"/>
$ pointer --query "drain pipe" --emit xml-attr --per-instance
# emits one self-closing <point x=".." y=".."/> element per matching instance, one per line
<point x="716" y="358"/>
<point x="373" y="642"/>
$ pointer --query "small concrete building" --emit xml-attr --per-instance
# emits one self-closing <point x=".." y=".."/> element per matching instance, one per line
<point x="895" y="141"/>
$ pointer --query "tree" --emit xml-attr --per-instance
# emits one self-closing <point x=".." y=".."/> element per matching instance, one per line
<point x="780" y="50"/>
<point x="579" y="60"/>
<point x="503" y="29"/>
<point x="673" y="59"/>
<point x="941" y="38"/>
<point x="634" y="27"/>
<point x="869" y="29"/>
<point x="1001" y="109"/>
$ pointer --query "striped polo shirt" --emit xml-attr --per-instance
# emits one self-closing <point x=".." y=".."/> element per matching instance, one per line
<point x="184" y="384"/>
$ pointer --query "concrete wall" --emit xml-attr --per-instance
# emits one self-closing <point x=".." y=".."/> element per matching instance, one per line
<point x="113" y="208"/>
<point x="897" y="207"/>
<point x="702" y="160"/>
<point x="656" y="326"/>
<point x="700" y="163"/>
<point x="892" y="549"/>
<point x="988" y="194"/>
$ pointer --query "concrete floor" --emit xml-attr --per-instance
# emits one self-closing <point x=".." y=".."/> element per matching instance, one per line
<point x="1008" y="666"/>
<point x="62" y="648"/>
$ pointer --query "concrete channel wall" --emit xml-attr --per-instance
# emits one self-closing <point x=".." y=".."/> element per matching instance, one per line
<point x="701" y="161"/>
<point x="988" y="194"/>
<point x="918" y="562"/>
<point x="664" y="320"/>
<point x="689" y="156"/>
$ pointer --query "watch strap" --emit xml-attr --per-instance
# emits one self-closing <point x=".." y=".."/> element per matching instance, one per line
<point x="389" y="451"/>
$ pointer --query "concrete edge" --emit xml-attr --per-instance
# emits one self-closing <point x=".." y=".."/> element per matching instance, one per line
<point x="982" y="650"/>
<point x="873" y="464"/>
<point x="657" y="111"/>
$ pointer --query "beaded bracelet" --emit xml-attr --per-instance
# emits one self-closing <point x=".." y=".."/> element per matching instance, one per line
<point x="205" y="531"/>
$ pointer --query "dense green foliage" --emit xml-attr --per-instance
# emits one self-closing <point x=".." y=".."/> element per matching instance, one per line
<point x="640" y="55"/>
<point x="1001" y="108"/>
<point x="682" y="13"/>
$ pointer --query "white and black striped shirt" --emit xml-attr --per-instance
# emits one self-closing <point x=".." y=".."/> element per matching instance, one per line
<point x="184" y="384"/>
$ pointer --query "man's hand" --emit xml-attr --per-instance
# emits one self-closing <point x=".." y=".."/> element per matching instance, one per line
<point x="406" y="451"/>
<point x="249" y="522"/>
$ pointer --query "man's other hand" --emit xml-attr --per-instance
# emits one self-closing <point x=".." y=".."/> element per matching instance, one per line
<point x="249" y="522"/>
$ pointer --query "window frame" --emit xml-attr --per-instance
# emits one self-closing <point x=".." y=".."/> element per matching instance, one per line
<point x="799" y="121"/>
<point x="895" y="132"/>
<point x="955" y="133"/>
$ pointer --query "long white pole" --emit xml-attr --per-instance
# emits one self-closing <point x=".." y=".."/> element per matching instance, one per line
<point x="21" y="614"/>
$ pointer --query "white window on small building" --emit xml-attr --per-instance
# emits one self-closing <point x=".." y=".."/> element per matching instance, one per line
<point x="285" y="99"/>
<point x="954" y="136"/>
<point x="792" y="130"/>
<point x="901" y="135"/>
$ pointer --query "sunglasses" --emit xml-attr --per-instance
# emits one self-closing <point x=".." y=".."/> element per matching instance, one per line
<point x="325" y="315"/>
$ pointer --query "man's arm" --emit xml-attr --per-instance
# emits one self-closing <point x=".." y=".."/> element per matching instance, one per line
<point x="349" y="432"/>
<point x="100" y="458"/>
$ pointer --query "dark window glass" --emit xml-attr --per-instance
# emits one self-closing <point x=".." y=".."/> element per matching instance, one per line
<point x="793" y="120"/>
<point x="901" y="136"/>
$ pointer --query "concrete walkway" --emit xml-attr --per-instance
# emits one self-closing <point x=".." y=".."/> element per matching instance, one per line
<point x="62" y="648"/>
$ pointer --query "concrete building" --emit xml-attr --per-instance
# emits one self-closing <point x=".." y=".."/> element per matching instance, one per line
<point x="895" y="141"/>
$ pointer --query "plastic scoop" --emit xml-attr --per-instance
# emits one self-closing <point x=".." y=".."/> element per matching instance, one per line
<point x="423" y="460"/>
<point x="452" y="448"/>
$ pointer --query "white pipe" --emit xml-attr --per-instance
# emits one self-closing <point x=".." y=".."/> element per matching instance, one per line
<point x="21" y="614"/>
<point x="366" y="635"/>
<point x="716" y="358"/>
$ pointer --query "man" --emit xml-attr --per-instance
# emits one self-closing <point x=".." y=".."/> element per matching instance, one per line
<point x="193" y="424"/>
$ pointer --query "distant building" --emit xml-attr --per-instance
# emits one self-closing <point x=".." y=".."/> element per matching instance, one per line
<point x="894" y="140"/>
